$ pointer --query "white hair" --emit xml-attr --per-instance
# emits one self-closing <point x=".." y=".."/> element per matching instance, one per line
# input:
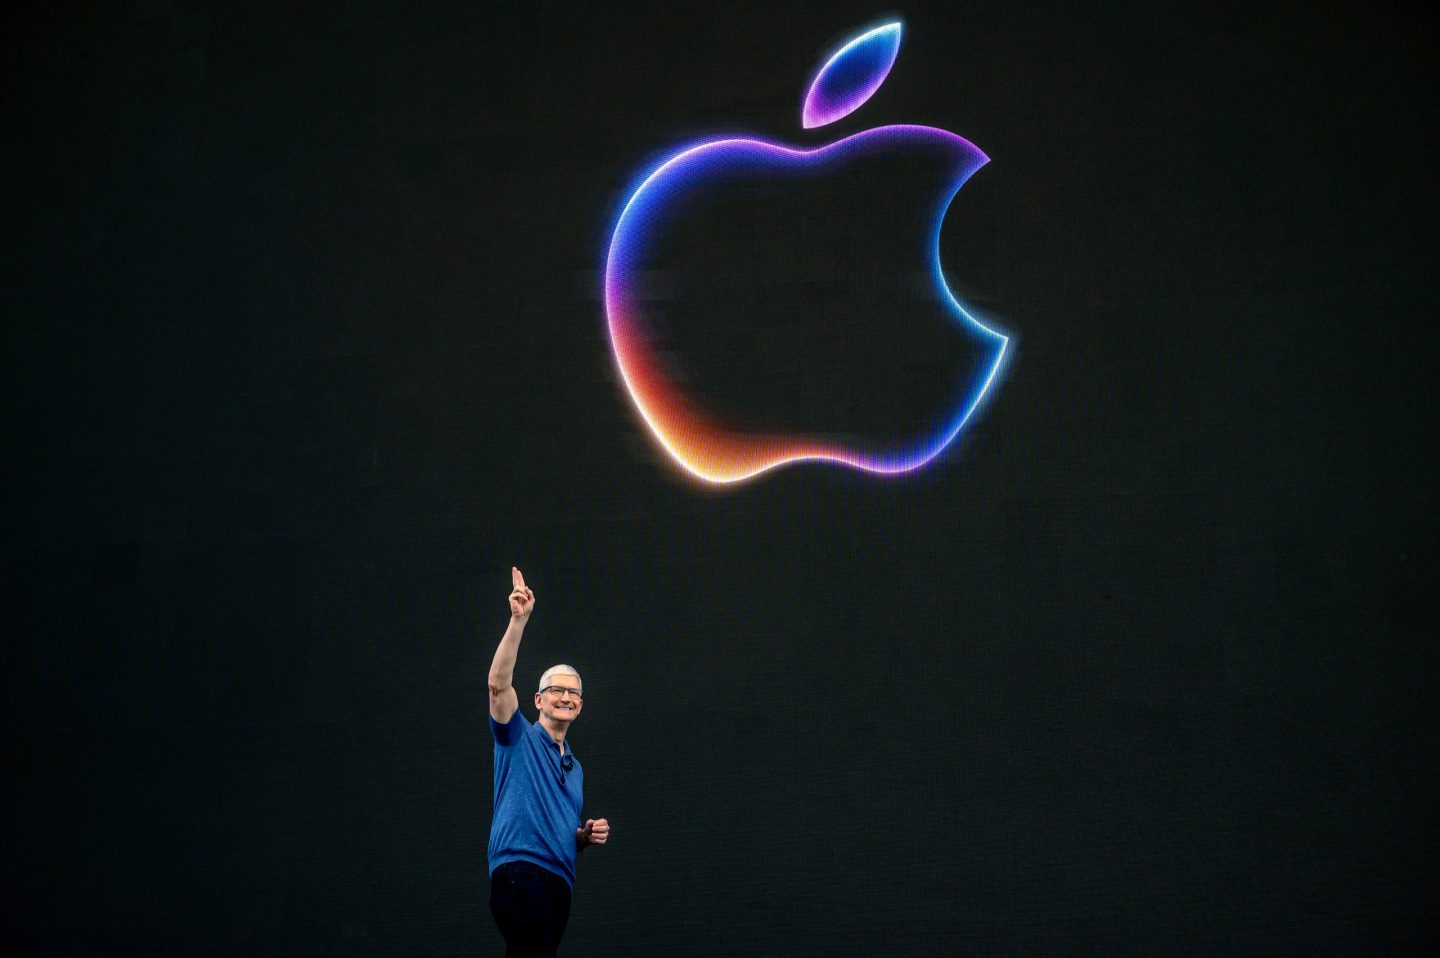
<point x="559" y="670"/>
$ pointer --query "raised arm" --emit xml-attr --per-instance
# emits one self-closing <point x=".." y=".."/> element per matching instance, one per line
<point x="503" y="701"/>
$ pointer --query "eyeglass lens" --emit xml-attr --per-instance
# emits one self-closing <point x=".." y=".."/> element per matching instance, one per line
<point x="561" y="691"/>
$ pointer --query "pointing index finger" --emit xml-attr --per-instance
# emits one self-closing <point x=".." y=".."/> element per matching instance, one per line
<point x="516" y="579"/>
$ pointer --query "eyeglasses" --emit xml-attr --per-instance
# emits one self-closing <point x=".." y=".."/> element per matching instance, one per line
<point x="560" y="691"/>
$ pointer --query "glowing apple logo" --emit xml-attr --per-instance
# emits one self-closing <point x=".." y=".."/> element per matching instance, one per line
<point x="701" y="440"/>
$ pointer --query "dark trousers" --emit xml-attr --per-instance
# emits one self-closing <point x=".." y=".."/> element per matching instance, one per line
<point x="531" y="905"/>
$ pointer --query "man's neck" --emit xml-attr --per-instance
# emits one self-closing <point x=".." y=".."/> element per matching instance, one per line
<point x="555" y="731"/>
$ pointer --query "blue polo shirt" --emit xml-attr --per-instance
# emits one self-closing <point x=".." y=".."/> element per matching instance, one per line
<point x="537" y="800"/>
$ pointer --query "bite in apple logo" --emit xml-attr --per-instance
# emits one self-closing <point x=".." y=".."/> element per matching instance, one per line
<point x="702" y="439"/>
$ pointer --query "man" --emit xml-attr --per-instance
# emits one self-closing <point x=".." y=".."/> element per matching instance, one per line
<point x="536" y="832"/>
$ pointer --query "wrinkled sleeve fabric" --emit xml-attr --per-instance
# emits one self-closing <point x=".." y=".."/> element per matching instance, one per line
<point x="508" y="734"/>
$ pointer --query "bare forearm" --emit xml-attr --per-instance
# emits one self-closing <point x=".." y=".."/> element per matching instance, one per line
<point x="503" y="701"/>
<point x="502" y="667"/>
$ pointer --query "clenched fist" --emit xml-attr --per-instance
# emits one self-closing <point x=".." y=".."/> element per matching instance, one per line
<point x="595" y="832"/>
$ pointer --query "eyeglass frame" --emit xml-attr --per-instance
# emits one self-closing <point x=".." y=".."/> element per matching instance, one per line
<point x="561" y="690"/>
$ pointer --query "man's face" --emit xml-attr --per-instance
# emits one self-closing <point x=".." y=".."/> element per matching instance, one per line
<point x="557" y="705"/>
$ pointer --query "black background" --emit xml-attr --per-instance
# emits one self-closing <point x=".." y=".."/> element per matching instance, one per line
<point x="304" y="349"/>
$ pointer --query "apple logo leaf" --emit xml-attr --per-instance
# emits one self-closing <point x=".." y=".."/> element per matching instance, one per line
<point x="851" y="75"/>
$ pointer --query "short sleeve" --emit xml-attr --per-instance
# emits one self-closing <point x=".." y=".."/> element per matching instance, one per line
<point x="509" y="733"/>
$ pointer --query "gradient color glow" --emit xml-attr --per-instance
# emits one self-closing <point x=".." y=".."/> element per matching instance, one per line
<point x="851" y="76"/>
<point x="719" y="452"/>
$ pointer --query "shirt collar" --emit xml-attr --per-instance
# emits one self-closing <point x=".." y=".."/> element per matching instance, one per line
<point x="539" y="730"/>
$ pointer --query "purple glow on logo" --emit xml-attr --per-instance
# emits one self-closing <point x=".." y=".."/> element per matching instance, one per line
<point x="722" y="452"/>
<point x="851" y="76"/>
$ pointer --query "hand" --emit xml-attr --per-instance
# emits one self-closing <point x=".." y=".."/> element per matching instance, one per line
<point x="595" y="832"/>
<point x="522" y="600"/>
